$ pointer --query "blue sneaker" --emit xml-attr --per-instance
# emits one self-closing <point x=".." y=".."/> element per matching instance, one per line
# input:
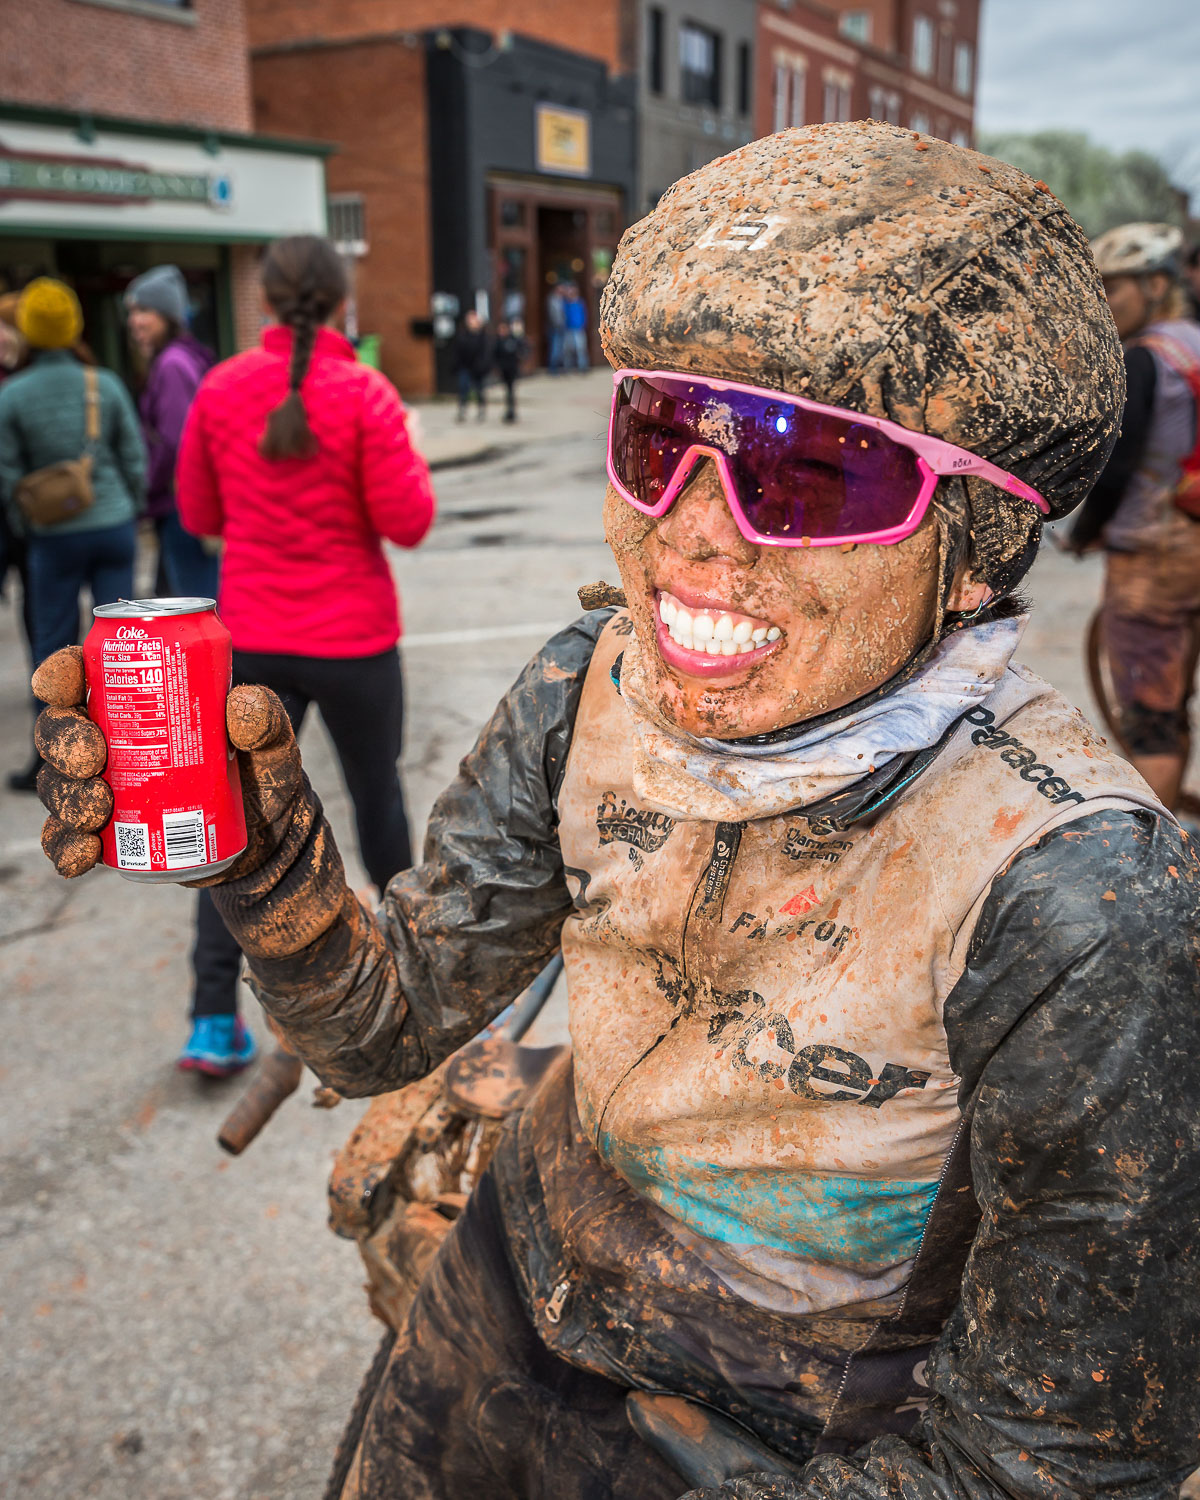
<point x="218" y="1046"/>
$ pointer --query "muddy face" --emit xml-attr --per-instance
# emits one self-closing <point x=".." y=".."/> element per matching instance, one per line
<point x="811" y="628"/>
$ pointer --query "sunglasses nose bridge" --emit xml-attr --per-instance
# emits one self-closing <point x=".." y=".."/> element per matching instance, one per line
<point x="692" y="465"/>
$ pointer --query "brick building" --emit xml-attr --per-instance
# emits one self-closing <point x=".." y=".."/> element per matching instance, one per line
<point x="476" y="165"/>
<point x="911" y="62"/>
<point x="134" y="145"/>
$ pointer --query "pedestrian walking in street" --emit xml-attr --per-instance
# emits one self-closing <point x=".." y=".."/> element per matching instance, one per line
<point x="508" y="355"/>
<point x="54" y="412"/>
<point x="556" y="327"/>
<point x="1144" y="511"/>
<point x="472" y="361"/>
<point x="299" y="458"/>
<point x="157" y="303"/>
<point x="575" y="342"/>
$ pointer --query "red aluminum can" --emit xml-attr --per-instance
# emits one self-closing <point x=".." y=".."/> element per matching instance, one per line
<point x="158" y="673"/>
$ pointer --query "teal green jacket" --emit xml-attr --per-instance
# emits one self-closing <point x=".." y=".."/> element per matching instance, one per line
<point x="42" y="422"/>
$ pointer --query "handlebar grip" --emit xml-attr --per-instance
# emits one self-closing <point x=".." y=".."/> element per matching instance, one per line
<point x="278" y="1076"/>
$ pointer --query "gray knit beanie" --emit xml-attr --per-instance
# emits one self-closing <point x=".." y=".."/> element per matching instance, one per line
<point x="163" y="290"/>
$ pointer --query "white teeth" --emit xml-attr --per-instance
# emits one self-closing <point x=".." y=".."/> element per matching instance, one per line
<point x="712" y="634"/>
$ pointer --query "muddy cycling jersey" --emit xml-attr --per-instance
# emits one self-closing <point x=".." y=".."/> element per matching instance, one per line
<point x="756" y="1007"/>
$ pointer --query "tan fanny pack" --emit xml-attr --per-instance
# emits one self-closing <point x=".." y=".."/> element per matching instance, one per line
<point x="60" y="491"/>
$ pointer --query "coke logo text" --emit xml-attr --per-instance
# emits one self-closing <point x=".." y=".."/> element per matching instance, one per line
<point x="130" y="633"/>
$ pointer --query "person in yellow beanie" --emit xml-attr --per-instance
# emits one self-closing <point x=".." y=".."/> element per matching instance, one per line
<point x="43" y="421"/>
<point x="49" y="315"/>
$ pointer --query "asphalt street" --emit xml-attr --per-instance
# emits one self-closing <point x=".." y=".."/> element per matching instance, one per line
<point x="176" y="1324"/>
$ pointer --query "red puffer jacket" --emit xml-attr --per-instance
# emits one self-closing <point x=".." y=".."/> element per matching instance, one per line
<point x="304" y="573"/>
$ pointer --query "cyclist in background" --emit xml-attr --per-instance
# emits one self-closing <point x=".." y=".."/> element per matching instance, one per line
<point x="1145" y="510"/>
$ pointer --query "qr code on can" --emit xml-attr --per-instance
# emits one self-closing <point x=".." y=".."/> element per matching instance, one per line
<point x="133" y="846"/>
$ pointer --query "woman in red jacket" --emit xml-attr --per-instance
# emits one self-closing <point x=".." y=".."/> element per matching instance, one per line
<point x="299" y="458"/>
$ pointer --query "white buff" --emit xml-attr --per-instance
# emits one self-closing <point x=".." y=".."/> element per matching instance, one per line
<point x="732" y="781"/>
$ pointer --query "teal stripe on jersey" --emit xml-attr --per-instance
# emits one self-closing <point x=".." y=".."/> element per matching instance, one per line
<point x="860" y="1223"/>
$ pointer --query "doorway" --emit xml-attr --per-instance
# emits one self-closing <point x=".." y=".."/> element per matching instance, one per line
<point x="544" y="233"/>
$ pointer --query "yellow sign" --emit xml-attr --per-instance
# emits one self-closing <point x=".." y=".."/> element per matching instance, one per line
<point x="564" y="141"/>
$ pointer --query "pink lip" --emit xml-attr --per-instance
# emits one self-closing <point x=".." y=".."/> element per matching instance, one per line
<point x="700" y="663"/>
<point x="694" y="600"/>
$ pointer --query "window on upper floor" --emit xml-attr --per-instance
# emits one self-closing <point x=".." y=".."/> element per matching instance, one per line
<point x="745" y="79"/>
<point x="919" y="122"/>
<point x="884" y="104"/>
<point x="964" y="67"/>
<point x="655" y="26"/>
<point x="922" y="45"/>
<point x="835" y="104"/>
<point x="346" y="215"/>
<point x="788" y="100"/>
<point x="855" y="24"/>
<point x="700" y="65"/>
<point x="960" y="138"/>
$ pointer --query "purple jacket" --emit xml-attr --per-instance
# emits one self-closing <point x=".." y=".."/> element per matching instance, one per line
<point x="170" y="389"/>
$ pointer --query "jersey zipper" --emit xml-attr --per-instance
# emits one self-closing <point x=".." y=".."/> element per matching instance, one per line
<point x="713" y="881"/>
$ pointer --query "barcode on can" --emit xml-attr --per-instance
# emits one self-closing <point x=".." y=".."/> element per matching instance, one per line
<point x="183" y="839"/>
<point x="133" y="846"/>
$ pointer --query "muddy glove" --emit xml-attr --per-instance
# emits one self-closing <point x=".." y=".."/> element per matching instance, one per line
<point x="286" y="890"/>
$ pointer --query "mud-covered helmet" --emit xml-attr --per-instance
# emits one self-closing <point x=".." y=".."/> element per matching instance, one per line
<point x="871" y="267"/>
<point x="1138" y="250"/>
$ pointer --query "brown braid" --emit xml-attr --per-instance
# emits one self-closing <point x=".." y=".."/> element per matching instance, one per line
<point x="305" y="282"/>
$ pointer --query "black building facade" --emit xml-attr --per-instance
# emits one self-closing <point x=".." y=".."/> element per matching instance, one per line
<point x="532" y="174"/>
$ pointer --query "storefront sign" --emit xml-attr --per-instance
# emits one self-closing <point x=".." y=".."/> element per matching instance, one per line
<point x="564" y="141"/>
<point x="89" y="180"/>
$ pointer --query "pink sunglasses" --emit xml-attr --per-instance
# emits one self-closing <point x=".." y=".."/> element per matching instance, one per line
<point x="795" y="473"/>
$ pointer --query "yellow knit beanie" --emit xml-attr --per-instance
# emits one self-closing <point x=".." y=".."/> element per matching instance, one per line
<point x="49" y="314"/>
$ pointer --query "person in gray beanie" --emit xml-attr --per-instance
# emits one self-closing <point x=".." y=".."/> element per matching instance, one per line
<point x="157" y="303"/>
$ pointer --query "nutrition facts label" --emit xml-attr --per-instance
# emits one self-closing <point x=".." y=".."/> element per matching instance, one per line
<point x="146" y="695"/>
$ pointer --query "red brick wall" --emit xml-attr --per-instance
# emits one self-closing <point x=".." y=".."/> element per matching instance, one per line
<point x="370" y="99"/>
<point x="72" y="55"/>
<point x="593" y="28"/>
<point x="809" y="31"/>
<point x="247" y="302"/>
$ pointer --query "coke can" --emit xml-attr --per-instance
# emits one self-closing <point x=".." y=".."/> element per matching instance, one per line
<point x="158" y="672"/>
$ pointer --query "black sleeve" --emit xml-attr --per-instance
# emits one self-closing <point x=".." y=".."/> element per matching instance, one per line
<point x="1069" y="1367"/>
<point x="380" y="1001"/>
<point x="1141" y="379"/>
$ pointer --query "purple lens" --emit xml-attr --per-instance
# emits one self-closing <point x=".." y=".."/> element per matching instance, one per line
<point x="798" y="473"/>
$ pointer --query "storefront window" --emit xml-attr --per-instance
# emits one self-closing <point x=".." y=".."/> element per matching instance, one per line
<point x="512" y="213"/>
<point x="512" y="282"/>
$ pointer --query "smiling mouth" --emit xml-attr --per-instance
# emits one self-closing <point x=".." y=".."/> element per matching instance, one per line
<point x="713" y="632"/>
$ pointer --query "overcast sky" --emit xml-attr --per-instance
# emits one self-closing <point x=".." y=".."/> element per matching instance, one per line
<point x="1125" y="71"/>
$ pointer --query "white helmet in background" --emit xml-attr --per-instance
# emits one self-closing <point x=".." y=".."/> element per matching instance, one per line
<point x="1138" y="250"/>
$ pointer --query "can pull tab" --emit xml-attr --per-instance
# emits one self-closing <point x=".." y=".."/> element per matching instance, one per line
<point x="557" y="1300"/>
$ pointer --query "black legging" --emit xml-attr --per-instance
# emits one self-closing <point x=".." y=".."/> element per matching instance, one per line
<point x="361" y="700"/>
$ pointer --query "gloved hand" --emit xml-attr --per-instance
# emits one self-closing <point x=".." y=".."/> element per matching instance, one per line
<point x="274" y="787"/>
